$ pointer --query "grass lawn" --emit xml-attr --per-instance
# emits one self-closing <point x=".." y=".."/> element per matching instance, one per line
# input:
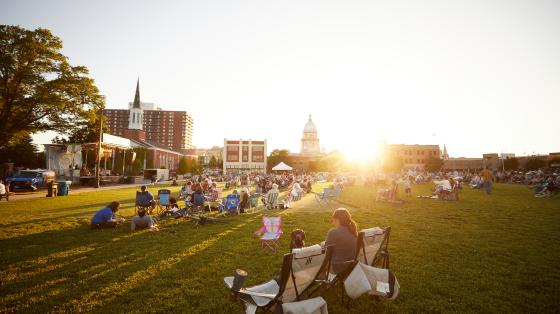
<point x="497" y="253"/>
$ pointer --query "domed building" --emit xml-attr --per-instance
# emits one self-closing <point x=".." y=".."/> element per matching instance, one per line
<point x="310" y="141"/>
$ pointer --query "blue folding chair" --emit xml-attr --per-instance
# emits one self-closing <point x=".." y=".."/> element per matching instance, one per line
<point x="321" y="198"/>
<point x="232" y="204"/>
<point x="164" y="202"/>
<point x="142" y="201"/>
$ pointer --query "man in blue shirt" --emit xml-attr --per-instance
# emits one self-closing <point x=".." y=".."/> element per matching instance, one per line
<point x="105" y="217"/>
<point x="151" y="202"/>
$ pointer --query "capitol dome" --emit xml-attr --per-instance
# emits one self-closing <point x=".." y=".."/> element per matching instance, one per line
<point x="310" y="126"/>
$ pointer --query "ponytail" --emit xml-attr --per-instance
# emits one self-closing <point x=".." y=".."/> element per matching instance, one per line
<point x="345" y="219"/>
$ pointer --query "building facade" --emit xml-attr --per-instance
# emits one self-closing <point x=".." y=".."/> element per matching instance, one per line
<point x="413" y="156"/>
<point x="244" y="156"/>
<point x="170" y="129"/>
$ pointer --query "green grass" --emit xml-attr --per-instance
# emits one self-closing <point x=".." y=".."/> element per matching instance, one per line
<point x="497" y="253"/>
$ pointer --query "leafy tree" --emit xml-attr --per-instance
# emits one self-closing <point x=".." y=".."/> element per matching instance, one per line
<point x="88" y="132"/>
<point x="535" y="164"/>
<point x="213" y="162"/>
<point x="277" y="156"/>
<point x="433" y="164"/>
<point x="138" y="163"/>
<point x="511" y="163"/>
<point x="23" y="153"/>
<point x="40" y="90"/>
<point x="183" y="165"/>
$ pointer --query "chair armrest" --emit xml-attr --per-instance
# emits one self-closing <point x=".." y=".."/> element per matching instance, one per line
<point x="257" y="294"/>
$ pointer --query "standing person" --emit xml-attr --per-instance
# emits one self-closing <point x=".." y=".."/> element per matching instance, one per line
<point x="407" y="185"/>
<point x="244" y="202"/>
<point x="106" y="217"/>
<point x="487" y="179"/>
<point x="343" y="237"/>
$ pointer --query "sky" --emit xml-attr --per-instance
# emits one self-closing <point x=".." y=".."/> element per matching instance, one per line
<point x="479" y="76"/>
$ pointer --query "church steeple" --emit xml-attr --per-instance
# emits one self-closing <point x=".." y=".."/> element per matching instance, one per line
<point x="136" y="103"/>
<point x="136" y="114"/>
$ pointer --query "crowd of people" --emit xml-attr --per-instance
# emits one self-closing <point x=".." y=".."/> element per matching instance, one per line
<point x="200" y="191"/>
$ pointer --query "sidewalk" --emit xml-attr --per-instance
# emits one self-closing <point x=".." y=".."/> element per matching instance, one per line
<point x="74" y="190"/>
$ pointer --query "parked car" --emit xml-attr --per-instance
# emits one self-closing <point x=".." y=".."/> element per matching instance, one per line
<point x="30" y="180"/>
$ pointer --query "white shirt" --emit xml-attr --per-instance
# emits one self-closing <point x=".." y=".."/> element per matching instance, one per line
<point x="2" y="189"/>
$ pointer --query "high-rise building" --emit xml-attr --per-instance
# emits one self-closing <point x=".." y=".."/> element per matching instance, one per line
<point x="170" y="129"/>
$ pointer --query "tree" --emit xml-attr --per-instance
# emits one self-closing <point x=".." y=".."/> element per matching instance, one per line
<point x="277" y="156"/>
<point x="23" y="153"/>
<point x="511" y="163"/>
<point x="40" y="90"/>
<point x="213" y="162"/>
<point x="88" y="132"/>
<point x="183" y="165"/>
<point x="535" y="164"/>
<point x="433" y="164"/>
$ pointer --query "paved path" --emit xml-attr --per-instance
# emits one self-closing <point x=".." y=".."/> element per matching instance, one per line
<point x="73" y="190"/>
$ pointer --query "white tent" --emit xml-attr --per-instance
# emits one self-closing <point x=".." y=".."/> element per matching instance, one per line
<point x="282" y="167"/>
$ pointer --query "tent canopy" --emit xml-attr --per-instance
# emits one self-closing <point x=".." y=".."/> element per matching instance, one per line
<point x="282" y="167"/>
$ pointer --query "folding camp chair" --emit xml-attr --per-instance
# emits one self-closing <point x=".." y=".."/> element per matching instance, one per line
<point x="371" y="280"/>
<point x="232" y="204"/>
<point x="322" y="198"/>
<point x="215" y="199"/>
<point x="300" y="269"/>
<point x="335" y="193"/>
<point x="163" y="203"/>
<point x="142" y="201"/>
<point x="270" y="233"/>
<point x="198" y="204"/>
<point x="373" y="246"/>
<point x="272" y="201"/>
<point x="371" y="249"/>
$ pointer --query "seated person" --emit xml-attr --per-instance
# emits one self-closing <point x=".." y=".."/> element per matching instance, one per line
<point x="173" y="203"/>
<point x="344" y="237"/>
<point x="244" y="202"/>
<point x="151" y="202"/>
<point x="143" y="221"/>
<point x="232" y="202"/>
<point x="2" y="188"/>
<point x="273" y="190"/>
<point x="198" y="197"/>
<point x="106" y="217"/>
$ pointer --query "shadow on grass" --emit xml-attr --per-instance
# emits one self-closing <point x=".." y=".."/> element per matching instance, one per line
<point x="79" y="269"/>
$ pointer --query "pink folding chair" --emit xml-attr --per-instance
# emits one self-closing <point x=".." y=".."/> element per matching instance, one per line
<point x="270" y="233"/>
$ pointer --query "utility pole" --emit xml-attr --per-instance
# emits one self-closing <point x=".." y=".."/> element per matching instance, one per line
<point x="98" y="161"/>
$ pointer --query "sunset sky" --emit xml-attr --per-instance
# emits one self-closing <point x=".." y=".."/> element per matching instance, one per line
<point x="479" y="76"/>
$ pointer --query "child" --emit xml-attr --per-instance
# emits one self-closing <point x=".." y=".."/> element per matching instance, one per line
<point x="407" y="184"/>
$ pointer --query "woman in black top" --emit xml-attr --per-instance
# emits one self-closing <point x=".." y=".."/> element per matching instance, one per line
<point x="344" y="239"/>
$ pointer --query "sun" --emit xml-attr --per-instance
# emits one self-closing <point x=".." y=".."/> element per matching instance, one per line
<point x="360" y="153"/>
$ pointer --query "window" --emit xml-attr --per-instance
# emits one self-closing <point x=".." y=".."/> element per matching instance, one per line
<point x="257" y="154"/>
<point x="232" y="153"/>
<point x="245" y="153"/>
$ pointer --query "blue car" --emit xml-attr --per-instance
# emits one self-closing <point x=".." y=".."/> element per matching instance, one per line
<point x="30" y="180"/>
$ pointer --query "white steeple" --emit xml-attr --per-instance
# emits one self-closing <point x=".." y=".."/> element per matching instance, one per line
<point x="135" y="119"/>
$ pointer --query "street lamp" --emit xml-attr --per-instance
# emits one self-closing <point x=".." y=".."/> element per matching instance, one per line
<point x="98" y="161"/>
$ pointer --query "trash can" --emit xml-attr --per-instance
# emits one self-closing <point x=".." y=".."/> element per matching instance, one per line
<point x="52" y="189"/>
<point x="64" y="188"/>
